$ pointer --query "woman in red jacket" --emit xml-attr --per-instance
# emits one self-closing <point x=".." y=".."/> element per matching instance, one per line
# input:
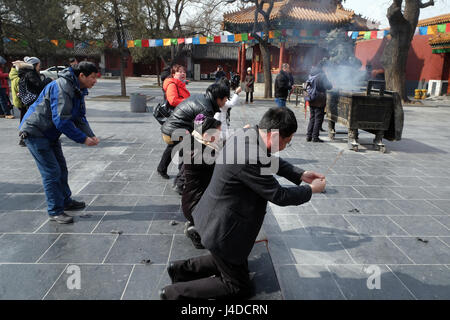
<point x="175" y="92"/>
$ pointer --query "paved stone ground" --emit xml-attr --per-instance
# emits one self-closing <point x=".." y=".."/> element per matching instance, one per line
<point x="375" y="209"/>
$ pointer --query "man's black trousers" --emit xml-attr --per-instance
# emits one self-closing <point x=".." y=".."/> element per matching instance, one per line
<point x="315" y="122"/>
<point x="209" y="277"/>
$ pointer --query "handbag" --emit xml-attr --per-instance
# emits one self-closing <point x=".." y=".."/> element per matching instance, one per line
<point x="162" y="112"/>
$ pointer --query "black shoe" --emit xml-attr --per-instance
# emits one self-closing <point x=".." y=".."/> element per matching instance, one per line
<point x="318" y="140"/>
<point x="178" y="190"/>
<point x="171" y="270"/>
<point x="163" y="175"/>
<point x="162" y="295"/>
<point x="62" y="219"/>
<point x="322" y="130"/>
<point x="308" y="139"/>
<point x="22" y="143"/>
<point x="75" y="205"/>
<point x="192" y="234"/>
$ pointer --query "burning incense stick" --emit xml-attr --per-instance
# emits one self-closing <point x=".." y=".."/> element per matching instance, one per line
<point x="335" y="161"/>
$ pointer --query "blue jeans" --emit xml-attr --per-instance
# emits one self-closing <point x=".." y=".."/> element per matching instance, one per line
<point x="53" y="168"/>
<point x="4" y="103"/>
<point x="280" y="102"/>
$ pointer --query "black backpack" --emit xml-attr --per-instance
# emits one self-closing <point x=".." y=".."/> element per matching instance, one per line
<point x="26" y="96"/>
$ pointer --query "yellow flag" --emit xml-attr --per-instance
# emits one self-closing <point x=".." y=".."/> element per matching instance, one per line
<point x="203" y="40"/>
<point x="237" y="38"/>
<point x="167" y="42"/>
<point x="55" y="42"/>
<point x="130" y="43"/>
<point x="432" y="29"/>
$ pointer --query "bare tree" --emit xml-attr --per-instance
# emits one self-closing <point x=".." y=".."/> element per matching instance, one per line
<point x="403" y="18"/>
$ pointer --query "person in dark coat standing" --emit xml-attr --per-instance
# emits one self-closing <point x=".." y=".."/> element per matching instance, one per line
<point x="198" y="172"/>
<point x="249" y="85"/>
<point x="317" y="106"/>
<point x="220" y="73"/>
<point x="231" y="212"/>
<point x="283" y="84"/>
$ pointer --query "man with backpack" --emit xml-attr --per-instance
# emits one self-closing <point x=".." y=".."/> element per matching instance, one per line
<point x="316" y="88"/>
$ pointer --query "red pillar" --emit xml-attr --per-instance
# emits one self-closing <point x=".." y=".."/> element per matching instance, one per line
<point x="239" y="62"/>
<point x="281" y="55"/>
<point x="243" y="59"/>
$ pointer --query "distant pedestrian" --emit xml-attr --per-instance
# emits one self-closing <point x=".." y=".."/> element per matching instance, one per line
<point x="316" y="88"/>
<point x="5" y="103"/>
<point x="73" y="61"/>
<point x="249" y="85"/>
<point x="283" y="84"/>
<point x="224" y="116"/>
<point x="220" y="73"/>
<point x="14" y="77"/>
<point x="60" y="109"/>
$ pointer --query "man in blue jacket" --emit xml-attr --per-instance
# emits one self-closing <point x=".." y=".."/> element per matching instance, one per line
<point x="60" y="109"/>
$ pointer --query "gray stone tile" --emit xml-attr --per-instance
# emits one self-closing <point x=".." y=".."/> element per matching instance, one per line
<point x="134" y="249"/>
<point x="27" y="281"/>
<point x="377" y="181"/>
<point x="417" y="207"/>
<point x="375" y="225"/>
<point x="432" y="252"/>
<point x="444" y="205"/>
<point x="22" y="221"/>
<point x="23" y="202"/>
<point x="183" y="249"/>
<point x="317" y="250"/>
<point x="348" y="170"/>
<point x="306" y="208"/>
<point x="279" y="251"/>
<point x="413" y="193"/>
<point x="353" y="281"/>
<point x="104" y="188"/>
<point x="425" y="282"/>
<point x="145" y="282"/>
<point x="332" y="206"/>
<point x="123" y="165"/>
<point x="126" y="222"/>
<point x="84" y="222"/>
<point x="411" y="181"/>
<point x="421" y="226"/>
<point x="446" y="240"/>
<point x="308" y="283"/>
<point x="162" y="223"/>
<point x="439" y="181"/>
<point x="70" y="248"/>
<point x="406" y="172"/>
<point x="327" y="225"/>
<point x="113" y="203"/>
<point x="343" y="180"/>
<point x="342" y="192"/>
<point x="20" y="187"/>
<point x="91" y="165"/>
<point x="144" y="189"/>
<point x="367" y="250"/>
<point x="373" y="192"/>
<point x="375" y="207"/>
<point x="445" y="220"/>
<point x="91" y="175"/>
<point x="128" y="175"/>
<point x="25" y="248"/>
<point x="377" y="171"/>
<point x="98" y="282"/>
<point x="158" y="204"/>
<point x="441" y="192"/>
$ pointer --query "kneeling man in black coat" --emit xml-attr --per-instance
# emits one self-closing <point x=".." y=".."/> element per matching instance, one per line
<point x="231" y="212"/>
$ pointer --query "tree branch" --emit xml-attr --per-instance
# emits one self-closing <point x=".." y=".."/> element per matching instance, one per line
<point x="427" y="4"/>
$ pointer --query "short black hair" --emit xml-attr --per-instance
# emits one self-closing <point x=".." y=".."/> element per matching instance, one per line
<point x="219" y="90"/>
<point x="85" y="67"/>
<point x="72" y="60"/>
<point x="281" y="119"/>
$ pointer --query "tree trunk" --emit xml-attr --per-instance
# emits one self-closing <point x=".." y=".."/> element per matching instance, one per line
<point x="395" y="60"/>
<point x="2" y="47"/>
<point x="123" y="85"/>
<point x="265" y="55"/>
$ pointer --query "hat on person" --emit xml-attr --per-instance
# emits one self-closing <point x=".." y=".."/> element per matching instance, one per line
<point x="203" y="123"/>
<point x="249" y="69"/>
<point x="32" y="60"/>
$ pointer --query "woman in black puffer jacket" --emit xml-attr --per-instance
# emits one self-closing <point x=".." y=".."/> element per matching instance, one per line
<point x="29" y="73"/>
<point x="198" y="173"/>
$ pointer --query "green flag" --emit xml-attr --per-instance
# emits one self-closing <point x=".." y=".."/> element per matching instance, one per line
<point x="244" y="36"/>
<point x="62" y="43"/>
<point x="277" y="33"/>
<point x="138" y="43"/>
<point x="174" y="41"/>
<point x="441" y="27"/>
<point x="367" y="35"/>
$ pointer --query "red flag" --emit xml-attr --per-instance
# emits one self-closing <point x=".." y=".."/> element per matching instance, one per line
<point x="217" y="39"/>
<point x="373" y="34"/>
<point x="447" y="29"/>
<point x="70" y="44"/>
<point x="145" y="43"/>
<point x="250" y="37"/>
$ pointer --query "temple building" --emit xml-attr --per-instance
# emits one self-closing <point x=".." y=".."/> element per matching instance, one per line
<point x="428" y="58"/>
<point x="300" y="27"/>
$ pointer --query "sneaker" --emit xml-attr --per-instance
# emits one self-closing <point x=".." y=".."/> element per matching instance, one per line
<point x="171" y="270"/>
<point x="75" y="205"/>
<point x="195" y="238"/>
<point x="308" y="139"/>
<point x="10" y="117"/>
<point x="318" y="140"/>
<point x="163" y="175"/>
<point x="2" y="115"/>
<point x="62" y="219"/>
<point x="162" y="294"/>
<point x="22" y="143"/>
